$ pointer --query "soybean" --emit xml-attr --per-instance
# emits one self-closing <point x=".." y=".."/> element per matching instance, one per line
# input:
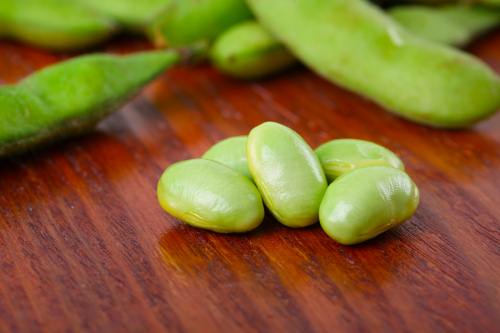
<point x="287" y="173"/>
<point x="354" y="44"/>
<point x="209" y="195"/>
<point x="366" y="202"/>
<point x="54" y="24"/>
<point x="189" y="21"/>
<point x="248" y="51"/>
<point x="340" y="156"/>
<point x="71" y="97"/>
<point x="231" y="152"/>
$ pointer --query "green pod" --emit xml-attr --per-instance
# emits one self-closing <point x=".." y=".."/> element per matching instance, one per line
<point x="72" y="96"/>
<point x="287" y="173"/>
<point x="340" y="156"/>
<point x="453" y="24"/>
<point x="476" y="18"/>
<point x="231" y="152"/>
<point x="135" y="15"/>
<point x="367" y="202"/>
<point x="209" y="195"/>
<point x="248" y="51"/>
<point x="53" y="24"/>
<point x="354" y="44"/>
<point x="188" y="21"/>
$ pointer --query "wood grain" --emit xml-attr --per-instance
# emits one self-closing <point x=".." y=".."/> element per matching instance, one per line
<point x="84" y="246"/>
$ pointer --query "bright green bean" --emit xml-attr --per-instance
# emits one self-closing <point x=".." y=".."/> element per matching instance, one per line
<point x="187" y="21"/>
<point x="356" y="45"/>
<point x="209" y="195"/>
<point x="231" y="152"/>
<point x="364" y="203"/>
<point x="287" y="173"/>
<point x="72" y="96"/>
<point x="54" y="24"/>
<point x="248" y="51"/>
<point x="340" y="156"/>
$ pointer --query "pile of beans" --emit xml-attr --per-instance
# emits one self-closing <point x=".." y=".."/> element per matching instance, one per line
<point x="357" y="189"/>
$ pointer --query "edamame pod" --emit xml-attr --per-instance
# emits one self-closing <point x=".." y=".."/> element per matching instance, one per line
<point x="54" y="24"/>
<point x="364" y="203"/>
<point x="209" y="195"/>
<point x="188" y="21"/>
<point x="231" y="152"/>
<point x="453" y="24"/>
<point x="357" y="46"/>
<point x="287" y="173"/>
<point x="340" y="156"/>
<point x="248" y="51"/>
<point x="72" y="96"/>
<point x="133" y="14"/>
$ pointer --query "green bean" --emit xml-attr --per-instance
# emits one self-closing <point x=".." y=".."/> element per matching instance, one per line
<point x="53" y="24"/>
<point x="231" y="152"/>
<point x="248" y="51"/>
<point x="287" y="173"/>
<point x="209" y="195"/>
<point x="72" y="96"/>
<point x="188" y="21"/>
<point x="355" y="45"/>
<point x="133" y="14"/>
<point x="340" y="156"/>
<point x="364" y="203"/>
<point x="454" y="25"/>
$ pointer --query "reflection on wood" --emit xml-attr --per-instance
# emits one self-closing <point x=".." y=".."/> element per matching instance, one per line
<point x="84" y="245"/>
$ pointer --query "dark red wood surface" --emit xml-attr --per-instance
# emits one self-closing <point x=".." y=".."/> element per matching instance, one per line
<point x="84" y="245"/>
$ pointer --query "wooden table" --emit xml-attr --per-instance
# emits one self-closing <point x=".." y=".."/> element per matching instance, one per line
<point x="84" y="245"/>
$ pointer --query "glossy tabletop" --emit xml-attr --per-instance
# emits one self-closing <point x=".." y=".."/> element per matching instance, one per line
<point x="84" y="245"/>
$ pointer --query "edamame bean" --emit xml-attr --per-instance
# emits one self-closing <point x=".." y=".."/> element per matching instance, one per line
<point x="54" y="24"/>
<point x="231" y="152"/>
<point x="340" y="156"/>
<point x="70" y="97"/>
<point x="209" y="195"/>
<point x="357" y="46"/>
<point x="287" y="173"/>
<point x="453" y="24"/>
<point x="364" y="203"/>
<point x="248" y="51"/>
<point x="187" y="21"/>
<point x="133" y="14"/>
